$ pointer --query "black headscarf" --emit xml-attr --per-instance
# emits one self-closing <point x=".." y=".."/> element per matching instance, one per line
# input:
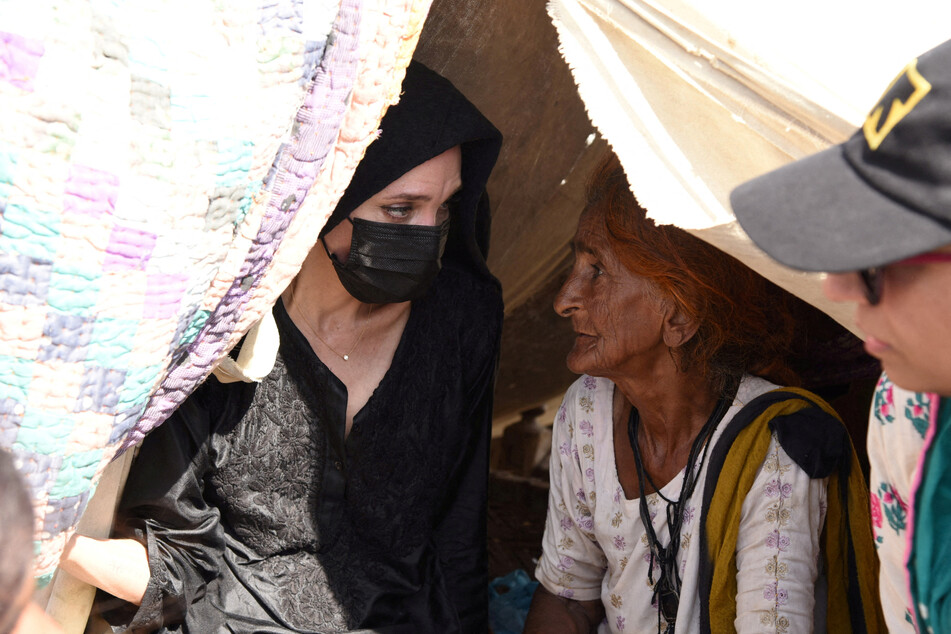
<point x="430" y="118"/>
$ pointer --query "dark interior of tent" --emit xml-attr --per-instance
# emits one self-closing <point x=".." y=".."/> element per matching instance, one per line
<point x="504" y="56"/>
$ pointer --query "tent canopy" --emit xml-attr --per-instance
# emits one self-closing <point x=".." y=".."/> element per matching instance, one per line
<point x="695" y="97"/>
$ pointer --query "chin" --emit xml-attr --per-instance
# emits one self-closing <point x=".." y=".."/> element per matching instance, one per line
<point x="578" y="365"/>
<point x="928" y="380"/>
<point x="576" y="368"/>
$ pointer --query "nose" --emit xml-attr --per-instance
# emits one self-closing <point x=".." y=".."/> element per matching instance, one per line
<point x="567" y="300"/>
<point x="844" y="287"/>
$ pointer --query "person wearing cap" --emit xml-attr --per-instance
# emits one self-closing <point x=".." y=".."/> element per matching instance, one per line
<point x="347" y="490"/>
<point x="875" y="214"/>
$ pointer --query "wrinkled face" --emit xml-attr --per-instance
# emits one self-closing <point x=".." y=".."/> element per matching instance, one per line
<point x="421" y="196"/>
<point x="618" y="317"/>
<point x="910" y="328"/>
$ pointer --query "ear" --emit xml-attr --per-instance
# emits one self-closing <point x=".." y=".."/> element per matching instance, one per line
<point x="679" y="327"/>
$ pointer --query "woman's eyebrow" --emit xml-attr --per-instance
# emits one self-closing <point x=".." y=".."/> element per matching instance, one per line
<point x="416" y="197"/>
<point x="580" y="246"/>
<point x="409" y="197"/>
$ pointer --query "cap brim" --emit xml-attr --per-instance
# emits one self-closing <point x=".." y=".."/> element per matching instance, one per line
<point x="817" y="214"/>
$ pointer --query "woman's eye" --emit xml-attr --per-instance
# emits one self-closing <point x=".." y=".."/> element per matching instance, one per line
<point x="446" y="208"/>
<point x="452" y="202"/>
<point x="597" y="270"/>
<point x="400" y="212"/>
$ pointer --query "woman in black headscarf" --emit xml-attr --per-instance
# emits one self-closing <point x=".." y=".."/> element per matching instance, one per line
<point x="346" y="490"/>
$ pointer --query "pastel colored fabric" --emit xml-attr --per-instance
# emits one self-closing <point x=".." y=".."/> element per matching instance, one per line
<point x="696" y="97"/>
<point x="898" y="424"/>
<point x="164" y="169"/>
<point x="907" y="460"/>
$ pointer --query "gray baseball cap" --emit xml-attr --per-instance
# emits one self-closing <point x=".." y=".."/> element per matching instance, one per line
<point x="881" y="196"/>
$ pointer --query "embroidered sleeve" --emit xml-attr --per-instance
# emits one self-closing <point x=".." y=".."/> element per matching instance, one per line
<point x="777" y="553"/>
<point x="572" y="564"/>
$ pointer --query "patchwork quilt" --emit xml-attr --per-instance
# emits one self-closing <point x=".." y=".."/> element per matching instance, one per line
<point x="164" y="170"/>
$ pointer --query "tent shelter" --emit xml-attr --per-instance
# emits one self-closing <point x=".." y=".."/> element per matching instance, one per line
<point x="693" y="96"/>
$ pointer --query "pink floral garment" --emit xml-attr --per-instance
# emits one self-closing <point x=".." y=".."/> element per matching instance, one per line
<point x="896" y="436"/>
<point x="595" y="546"/>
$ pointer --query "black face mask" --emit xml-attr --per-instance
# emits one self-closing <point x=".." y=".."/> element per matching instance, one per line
<point x="390" y="263"/>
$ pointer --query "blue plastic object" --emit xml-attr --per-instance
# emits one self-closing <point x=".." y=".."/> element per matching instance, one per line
<point x="509" y="599"/>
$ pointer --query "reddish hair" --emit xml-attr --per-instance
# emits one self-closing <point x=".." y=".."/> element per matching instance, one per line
<point x="745" y="325"/>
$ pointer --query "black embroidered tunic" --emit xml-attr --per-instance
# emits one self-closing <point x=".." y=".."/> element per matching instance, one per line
<point x="260" y="516"/>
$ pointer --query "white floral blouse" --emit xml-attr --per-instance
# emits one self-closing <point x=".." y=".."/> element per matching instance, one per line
<point x="595" y="545"/>
<point x="898" y="424"/>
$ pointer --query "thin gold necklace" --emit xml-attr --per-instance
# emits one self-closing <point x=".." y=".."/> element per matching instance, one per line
<point x="345" y="357"/>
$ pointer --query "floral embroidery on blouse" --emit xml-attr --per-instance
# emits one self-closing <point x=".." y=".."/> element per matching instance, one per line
<point x="917" y="411"/>
<point x="898" y="425"/>
<point x="684" y="547"/>
<point x="915" y="407"/>
<point x="891" y="505"/>
<point x="583" y="518"/>
<point x="875" y="504"/>
<point x="777" y="514"/>
<point x="586" y="404"/>
<point x="883" y="404"/>
<point x="886" y="504"/>
<point x="617" y="519"/>
<point x="565" y="449"/>
<point x="565" y="563"/>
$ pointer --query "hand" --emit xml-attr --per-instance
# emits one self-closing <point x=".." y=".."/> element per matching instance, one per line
<point x="118" y="566"/>
<point x="551" y="614"/>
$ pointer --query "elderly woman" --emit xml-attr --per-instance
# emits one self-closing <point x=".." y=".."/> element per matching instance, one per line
<point x="346" y="490"/>
<point x="676" y="503"/>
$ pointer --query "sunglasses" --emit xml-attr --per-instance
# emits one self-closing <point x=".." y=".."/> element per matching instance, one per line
<point x="874" y="278"/>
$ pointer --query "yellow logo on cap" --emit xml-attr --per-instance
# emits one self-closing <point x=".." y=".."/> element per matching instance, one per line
<point x="898" y="108"/>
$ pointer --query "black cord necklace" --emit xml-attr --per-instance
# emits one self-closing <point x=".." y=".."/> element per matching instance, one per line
<point x="667" y="588"/>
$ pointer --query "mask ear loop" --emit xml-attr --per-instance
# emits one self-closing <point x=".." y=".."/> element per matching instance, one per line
<point x="323" y="241"/>
<point x="329" y="254"/>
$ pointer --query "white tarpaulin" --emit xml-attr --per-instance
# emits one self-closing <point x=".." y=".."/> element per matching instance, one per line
<point x="696" y="97"/>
